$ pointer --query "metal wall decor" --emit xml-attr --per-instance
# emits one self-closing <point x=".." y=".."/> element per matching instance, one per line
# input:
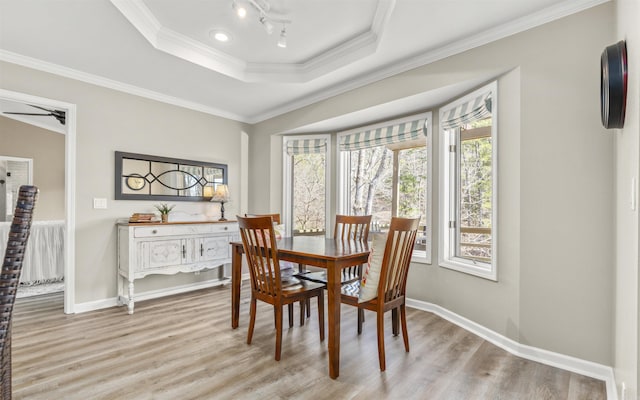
<point x="613" y="85"/>
<point x="146" y="177"/>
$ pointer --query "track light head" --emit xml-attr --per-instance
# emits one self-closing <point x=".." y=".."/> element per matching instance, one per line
<point x="282" y="41"/>
<point x="268" y="26"/>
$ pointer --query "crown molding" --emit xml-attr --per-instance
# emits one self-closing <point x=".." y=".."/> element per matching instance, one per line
<point x="181" y="46"/>
<point x="55" y="69"/>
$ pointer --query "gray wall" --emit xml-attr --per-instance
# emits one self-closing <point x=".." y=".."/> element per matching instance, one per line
<point x="556" y="217"/>
<point x="46" y="148"/>
<point x="108" y="121"/>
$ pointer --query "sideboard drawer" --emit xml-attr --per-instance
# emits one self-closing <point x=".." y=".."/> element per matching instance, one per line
<point x="181" y="230"/>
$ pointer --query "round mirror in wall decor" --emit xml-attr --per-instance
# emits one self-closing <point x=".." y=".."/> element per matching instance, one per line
<point x="613" y="85"/>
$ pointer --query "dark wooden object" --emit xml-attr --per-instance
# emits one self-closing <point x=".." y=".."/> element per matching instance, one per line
<point x="259" y="243"/>
<point x="393" y="281"/>
<point x="10" y="277"/>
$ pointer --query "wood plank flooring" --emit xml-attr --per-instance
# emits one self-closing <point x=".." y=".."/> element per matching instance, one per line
<point x="183" y="347"/>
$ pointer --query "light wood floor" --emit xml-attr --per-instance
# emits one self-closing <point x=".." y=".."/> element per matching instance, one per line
<point x="183" y="347"/>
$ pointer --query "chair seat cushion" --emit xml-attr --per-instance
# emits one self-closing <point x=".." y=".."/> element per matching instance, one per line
<point x="351" y="289"/>
<point x="371" y="274"/>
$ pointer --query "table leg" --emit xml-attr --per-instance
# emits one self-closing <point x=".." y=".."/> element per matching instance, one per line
<point x="333" y="312"/>
<point x="236" y="278"/>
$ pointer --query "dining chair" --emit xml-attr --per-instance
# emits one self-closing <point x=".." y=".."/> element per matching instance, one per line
<point x="391" y="270"/>
<point x="347" y="227"/>
<point x="286" y="268"/>
<point x="10" y="277"/>
<point x="260" y="248"/>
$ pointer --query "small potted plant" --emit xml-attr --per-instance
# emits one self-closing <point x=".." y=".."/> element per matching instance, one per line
<point x="164" y="209"/>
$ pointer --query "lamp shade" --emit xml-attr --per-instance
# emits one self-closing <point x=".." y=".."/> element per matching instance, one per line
<point x="221" y="195"/>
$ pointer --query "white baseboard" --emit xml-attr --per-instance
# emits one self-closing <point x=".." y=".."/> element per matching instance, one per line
<point x="152" y="294"/>
<point x="582" y="367"/>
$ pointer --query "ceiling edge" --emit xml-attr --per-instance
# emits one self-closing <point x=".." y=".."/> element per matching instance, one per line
<point x="66" y="72"/>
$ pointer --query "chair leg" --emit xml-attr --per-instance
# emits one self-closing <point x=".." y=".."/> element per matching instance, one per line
<point x="394" y="322"/>
<point x="405" y="332"/>
<point x="321" y="314"/>
<point x="252" y="319"/>
<point x="278" y="309"/>
<point x="308" y="307"/>
<point x="302" y="311"/>
<point x="381" y="340"/>
<point x="360" y="320"/>
<point x="290" y="306"/>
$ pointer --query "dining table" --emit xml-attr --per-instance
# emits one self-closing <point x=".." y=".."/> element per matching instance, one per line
<point x="318" y="251"/>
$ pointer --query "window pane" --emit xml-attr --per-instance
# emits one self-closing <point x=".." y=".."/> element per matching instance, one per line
<point x="412" y="190"/>
<point x="309" y="194"/>
<point x="475" y="192"/>
<point x="371" y="185"/>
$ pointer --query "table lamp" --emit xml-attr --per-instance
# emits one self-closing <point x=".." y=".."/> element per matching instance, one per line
<point x="221" y="195"/>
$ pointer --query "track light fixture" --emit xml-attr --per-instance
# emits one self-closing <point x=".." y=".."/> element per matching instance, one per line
<point x="268" y="21"/>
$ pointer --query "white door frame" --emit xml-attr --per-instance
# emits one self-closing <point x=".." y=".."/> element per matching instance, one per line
<point x="69" y="186"/>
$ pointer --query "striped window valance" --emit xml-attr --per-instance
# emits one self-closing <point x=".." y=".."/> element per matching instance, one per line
<point x="473" y="110"/>
<point x="385" y="135"/>
<point x="306" y="146"/>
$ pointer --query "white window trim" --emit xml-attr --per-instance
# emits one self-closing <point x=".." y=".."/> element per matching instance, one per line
<point x="343" y="190"/>
<point x="287" y="198"/>
<point x="447" y="207"/>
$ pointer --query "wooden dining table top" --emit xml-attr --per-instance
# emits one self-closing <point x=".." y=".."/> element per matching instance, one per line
<point x="319" y="248"/>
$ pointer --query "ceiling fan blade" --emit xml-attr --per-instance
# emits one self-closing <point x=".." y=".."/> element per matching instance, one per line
<point x="21" y="113"/>
<point x="58" y="115"/>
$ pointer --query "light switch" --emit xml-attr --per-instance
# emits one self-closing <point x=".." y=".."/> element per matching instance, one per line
<point x="99" y="203"/>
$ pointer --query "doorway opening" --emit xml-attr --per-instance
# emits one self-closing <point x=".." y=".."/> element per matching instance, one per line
<point x="69" y="131"/>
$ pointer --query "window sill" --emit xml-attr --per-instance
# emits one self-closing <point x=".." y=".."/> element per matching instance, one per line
<point x="482" y="271"/>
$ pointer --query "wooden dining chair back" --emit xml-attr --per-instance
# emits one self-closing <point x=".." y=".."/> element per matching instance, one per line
<point x="275" y="217"/>
<point x="392" y="283"/>
<point x="352" y="227"/>
<point x="10" y="277"/>
<point x="260" y="248"/>
<point x="347" y="227"/>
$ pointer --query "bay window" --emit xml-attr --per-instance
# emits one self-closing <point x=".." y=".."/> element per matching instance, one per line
<point x="384" y="171"/>
<point x="468" y="183"/>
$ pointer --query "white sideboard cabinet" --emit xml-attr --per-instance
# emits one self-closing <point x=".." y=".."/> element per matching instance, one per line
<point x="169" y="248"/>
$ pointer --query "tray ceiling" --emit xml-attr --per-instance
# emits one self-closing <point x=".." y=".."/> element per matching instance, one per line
<point x="163" y="50"/>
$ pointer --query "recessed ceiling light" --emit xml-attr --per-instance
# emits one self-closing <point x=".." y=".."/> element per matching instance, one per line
<point x="220" y="36"/>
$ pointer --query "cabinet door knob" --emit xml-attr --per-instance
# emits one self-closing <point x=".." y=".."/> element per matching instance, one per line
<point x="154" y="231"/>
<point x="226" y="227"/>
